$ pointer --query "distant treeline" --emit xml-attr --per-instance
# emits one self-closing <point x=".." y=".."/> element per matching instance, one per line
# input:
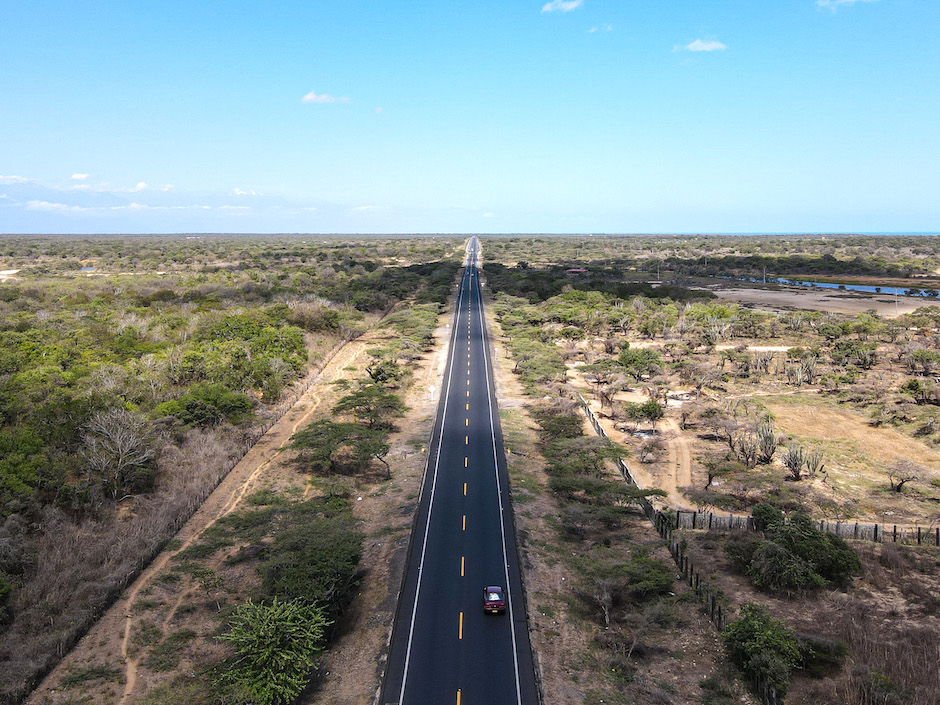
<point x="756" y="265"/>
<point x="539" y="285"/>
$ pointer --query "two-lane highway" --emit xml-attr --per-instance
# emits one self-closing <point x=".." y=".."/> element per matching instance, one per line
<point x="445" y="649"/>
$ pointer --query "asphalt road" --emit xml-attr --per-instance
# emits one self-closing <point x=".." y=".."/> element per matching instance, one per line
<point x="445" y="649"/>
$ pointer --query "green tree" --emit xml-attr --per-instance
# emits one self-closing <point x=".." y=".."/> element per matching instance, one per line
<point x="762" y="647"/>
<point x="639" y="362"/>
<point x="315" y="562"/>
<point x="333" y="446"/>
<point x="275" y="645"/>
<point x="373" y="404"/>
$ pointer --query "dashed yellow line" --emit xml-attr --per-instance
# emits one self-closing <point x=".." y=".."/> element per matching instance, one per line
<point x="466" y="440"/>
<point x="461" y="566"/>
<point x="460" y="627"/>
<point x="466" y="422"/>
<point x="464" y="525"/>
<point x="465" y="489"/>
<point x="465" y="461"/>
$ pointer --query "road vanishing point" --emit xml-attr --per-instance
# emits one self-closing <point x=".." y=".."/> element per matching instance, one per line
<point x="444" y="648"/>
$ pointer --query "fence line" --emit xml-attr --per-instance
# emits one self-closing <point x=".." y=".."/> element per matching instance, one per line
<point x="690" y="520"/>
<point x="711" y="598"/>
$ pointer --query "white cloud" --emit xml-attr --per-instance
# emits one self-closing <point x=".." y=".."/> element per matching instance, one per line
<point x="705" y="45"/>
<point x="126" y="189"/>
<point x="379" y="110"/>
<point x="836" y="4"/>
<point x="314" y="97"/>
<point x="562" y="5"/>
<point x="487" y="215"/>
<point x="14" y="180"/>
<point x="601" y="28"/>
<point x="53" y="207"/>
<point x="363" y="209"/>
<point x="79" y="177"/>
<point x="240" y="192"/>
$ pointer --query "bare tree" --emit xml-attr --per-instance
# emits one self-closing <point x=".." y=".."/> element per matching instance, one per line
<point x="117" y="447"/>
<point x="901" y="472"/>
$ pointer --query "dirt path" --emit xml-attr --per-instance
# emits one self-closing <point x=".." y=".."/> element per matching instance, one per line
<point x="121" y="619"/>
<point x="679" y="471"/>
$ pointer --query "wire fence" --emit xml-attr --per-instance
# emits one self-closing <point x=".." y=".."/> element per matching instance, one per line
<point x="711" y="521"/>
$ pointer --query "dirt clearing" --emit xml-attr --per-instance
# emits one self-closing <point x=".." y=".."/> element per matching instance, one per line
<point x="833" y="300"/>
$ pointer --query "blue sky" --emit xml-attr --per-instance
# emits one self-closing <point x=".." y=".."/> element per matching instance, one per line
<point x="565" y="116"/>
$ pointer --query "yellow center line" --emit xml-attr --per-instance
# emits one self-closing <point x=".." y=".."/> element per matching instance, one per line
<point x="468" y="406"/>
<point x="466" y="440"/>
<point x="465" y="461"/>
<point x="460" y="628"/>
<point x="461" y="566"/>
<point x="464" y="527"/>
<point x="465" y="489"/>
<point x="458" y="696"/>
<point x="466" y="422"/>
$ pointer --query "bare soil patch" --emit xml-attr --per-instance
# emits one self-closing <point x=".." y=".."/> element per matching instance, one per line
<point x="833" y="300"/>
<point x="858" y="457"/>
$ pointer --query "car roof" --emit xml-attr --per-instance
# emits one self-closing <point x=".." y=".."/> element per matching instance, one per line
<point x="493" y="588"/>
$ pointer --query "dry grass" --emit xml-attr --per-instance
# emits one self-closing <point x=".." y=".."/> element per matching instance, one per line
<point x="858" y="456"/>
<point x="889" y="620"/>
<point x="81" y="567"/>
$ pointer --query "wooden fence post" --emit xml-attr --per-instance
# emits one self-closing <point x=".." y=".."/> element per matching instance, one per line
<point x="895" y="537"/>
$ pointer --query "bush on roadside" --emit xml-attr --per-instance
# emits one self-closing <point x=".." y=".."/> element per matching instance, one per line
<point x="766" y="516"/>
<point x="774" y="568"/>
<point x="763" y="648"/>
<point x="820" y="657"/>
<point x="315" y="562"/>
<point x="275" y="644"/>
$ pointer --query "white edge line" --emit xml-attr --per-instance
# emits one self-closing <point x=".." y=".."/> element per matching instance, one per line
<point x="491" y="392"/>
<point x="437" y="462"/>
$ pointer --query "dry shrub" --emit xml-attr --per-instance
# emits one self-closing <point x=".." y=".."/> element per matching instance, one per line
<point x="81" y="567"/>
<point x="895" y="662"/>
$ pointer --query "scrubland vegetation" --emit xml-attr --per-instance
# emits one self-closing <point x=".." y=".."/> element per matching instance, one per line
<point x="129" y="389"/>
<point x="796" y="416"/>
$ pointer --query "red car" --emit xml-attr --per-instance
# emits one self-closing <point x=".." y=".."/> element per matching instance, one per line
<point x="493" y="600"/>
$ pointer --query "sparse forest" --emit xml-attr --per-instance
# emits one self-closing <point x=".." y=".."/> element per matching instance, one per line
<point x="134" y="372"/>
<point x="796" y="416"/>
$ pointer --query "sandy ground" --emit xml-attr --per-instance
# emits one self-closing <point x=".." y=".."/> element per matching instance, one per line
<point x="857" y="457"/>
<point x="8" y="274"/>
<point x="788" y="299"/>
<point x="669" y="473"/>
